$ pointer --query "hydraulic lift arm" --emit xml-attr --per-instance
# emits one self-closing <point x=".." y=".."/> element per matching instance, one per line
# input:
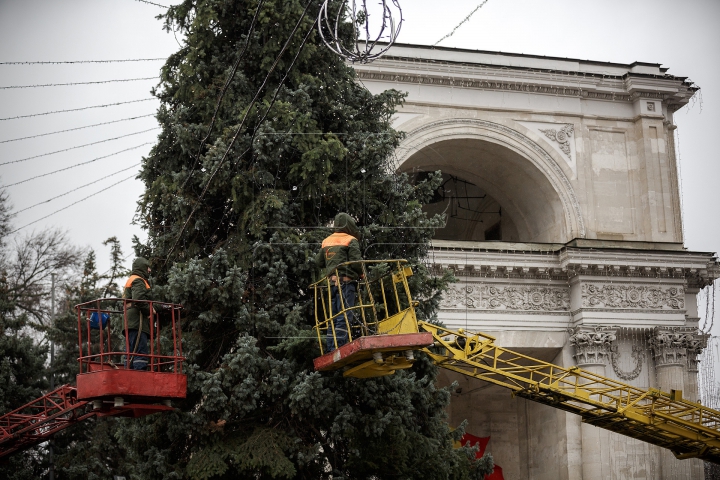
<point x="686" y="428"/>
<point x="37" y="421"/>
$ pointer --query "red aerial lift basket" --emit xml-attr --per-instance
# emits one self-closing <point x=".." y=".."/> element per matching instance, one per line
<point x="106" y="354"/>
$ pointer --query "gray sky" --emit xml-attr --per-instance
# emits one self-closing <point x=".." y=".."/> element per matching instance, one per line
<point x="683" y="36"/>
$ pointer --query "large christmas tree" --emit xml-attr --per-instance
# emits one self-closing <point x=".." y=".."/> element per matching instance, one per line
<point x="266" y="136"/>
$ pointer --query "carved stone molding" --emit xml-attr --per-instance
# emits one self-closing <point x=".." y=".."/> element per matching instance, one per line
<point x="638" y="354"/>
<point x="537" y="85"/>
<point x="671" y="346"/>
<point x="694" y="349"/>
<point x="633" y="296"/>
<point x="520" y="298"/>
<point x="593" y="346"/>
<point x="561" y="136"/>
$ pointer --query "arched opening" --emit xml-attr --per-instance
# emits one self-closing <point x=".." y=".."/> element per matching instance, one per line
<point x="490" y="192"/>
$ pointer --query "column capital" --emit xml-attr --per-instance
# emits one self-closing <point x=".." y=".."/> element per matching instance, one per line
<point x="593" y="344"/>
<point x="677" y="346"/>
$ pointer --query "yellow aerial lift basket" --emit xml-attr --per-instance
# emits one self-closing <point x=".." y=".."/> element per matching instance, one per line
<point x="382" y="327"/>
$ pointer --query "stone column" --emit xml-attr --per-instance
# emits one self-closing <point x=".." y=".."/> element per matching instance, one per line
<point x="694" y="349"/>
<point x="593" y="347"/>
<point x="670" y="350"/>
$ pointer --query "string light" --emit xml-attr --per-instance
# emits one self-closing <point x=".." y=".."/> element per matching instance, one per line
<point x="77" y="128"/>
<point x="464" y="20"/>
<point x="74" y="203"/>
<point x="76" y="189"/>
<point x="79" y="146"/>
<point x="151" y="3"/>
<point x="78" y="164"/>
<point x="83" y="61"/>
<point x="247" y="111"/>
<point x="80" y="83"/>
<point x="77" y="109"/>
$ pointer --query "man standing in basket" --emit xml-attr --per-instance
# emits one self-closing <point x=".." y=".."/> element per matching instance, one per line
<point x="340" y="247"/>
<point x="138" y="314"/>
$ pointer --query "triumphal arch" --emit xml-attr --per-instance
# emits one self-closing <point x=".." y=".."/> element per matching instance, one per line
<point x="564" y="230"/>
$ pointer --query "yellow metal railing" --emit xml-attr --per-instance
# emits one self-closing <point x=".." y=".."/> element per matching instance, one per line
<point x="384" y="305"/>
<point x="688" y="429"/>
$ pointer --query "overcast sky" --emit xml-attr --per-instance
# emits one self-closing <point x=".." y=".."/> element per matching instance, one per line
<point x="683" y="36"/>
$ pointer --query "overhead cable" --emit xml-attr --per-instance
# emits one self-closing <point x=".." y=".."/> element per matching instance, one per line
<point x="80" y="83"/>
<point x="242" y="121"/>
<point x="78" y="146"/>
<point x="76" y="189"/>
<point x="74" y="203"/>
<point x="247" y="112"/>
<point x="78" y="128"/>
<point x="224" y="89"/>
<point x="78" y="164"/>
<point x="78" y="109"/>
<point x="84" y="61"/>
<point x="461" y="23"/>
<point x="151" y="3"/>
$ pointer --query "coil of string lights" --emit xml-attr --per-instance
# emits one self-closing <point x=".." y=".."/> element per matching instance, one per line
<point x="355" y="15"/>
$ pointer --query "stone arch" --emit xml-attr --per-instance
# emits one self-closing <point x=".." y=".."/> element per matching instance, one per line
<point x="530" y="161"/>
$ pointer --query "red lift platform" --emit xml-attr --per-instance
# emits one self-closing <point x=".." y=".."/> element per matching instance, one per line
<point x="106" y="386"/>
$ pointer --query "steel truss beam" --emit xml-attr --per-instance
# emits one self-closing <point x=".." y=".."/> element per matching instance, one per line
<point x="686" y="428"/>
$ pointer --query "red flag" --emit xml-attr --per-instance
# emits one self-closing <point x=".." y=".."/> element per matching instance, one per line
<point x="482" y="442"/>
<point x="473" y="440"/>
<point x="496" y="474"/>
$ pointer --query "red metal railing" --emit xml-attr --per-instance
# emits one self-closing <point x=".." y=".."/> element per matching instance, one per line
<point x="100" y="349"/>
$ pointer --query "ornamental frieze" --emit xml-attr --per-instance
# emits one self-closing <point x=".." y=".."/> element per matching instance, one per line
<point x="633" y="296"/>
<point x="489" y="297"/>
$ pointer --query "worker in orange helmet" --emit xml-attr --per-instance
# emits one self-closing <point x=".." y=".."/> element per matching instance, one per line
<point x="340" y="247"/>
<point x="137" y="287"/>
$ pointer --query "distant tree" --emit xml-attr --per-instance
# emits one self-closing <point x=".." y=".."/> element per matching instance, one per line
<point x="88" y="450"/>
<point x="32" y="259"/>
<point x="22" y="359"/>
<point x="232" y="233"/>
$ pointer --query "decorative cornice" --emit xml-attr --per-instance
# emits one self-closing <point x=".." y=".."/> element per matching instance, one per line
<point x="633" y="296"/>
<point x="557" y="262"/>
<point x="577" y="85"/>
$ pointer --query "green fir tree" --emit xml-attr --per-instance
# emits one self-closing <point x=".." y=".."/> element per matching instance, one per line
<point x="239" y="194"/>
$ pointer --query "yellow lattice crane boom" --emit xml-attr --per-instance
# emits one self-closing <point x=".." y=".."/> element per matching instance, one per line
<point x="385" y="333"/>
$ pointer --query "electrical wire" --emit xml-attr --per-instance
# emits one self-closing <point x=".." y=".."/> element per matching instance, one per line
<point x="84" y="61"/>
<point x="222" y="93"/>
<point x="76" y="189"/>
<point x="151" y="3"/>
<point x="242" y="122"/>
<point x="74" y="203"/>
<point x="78" y="164"/>
<point x="78" y="128"/>
<point x="79" y="146"/>
<point x="77" y="109"/>
<point x="80" y="83"/>
<point x="461" y="23"/>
